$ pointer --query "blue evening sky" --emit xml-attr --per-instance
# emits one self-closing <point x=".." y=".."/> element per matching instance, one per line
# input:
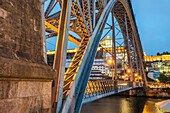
<point x="153" y="21"/>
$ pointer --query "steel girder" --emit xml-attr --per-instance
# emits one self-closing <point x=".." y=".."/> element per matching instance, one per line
<point x="61" y="50"/>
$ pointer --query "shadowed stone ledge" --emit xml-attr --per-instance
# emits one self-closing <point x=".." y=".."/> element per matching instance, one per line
<point x="16" y="70"/>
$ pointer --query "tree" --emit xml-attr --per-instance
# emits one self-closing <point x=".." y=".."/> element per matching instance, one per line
<point x="167" y="52"/>
<point x="163" y="78"/>
<point x="168" y="77"/>
<point x="158" y="54"/>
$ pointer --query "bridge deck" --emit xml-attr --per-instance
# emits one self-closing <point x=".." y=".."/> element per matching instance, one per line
<point x="90" y="97"/>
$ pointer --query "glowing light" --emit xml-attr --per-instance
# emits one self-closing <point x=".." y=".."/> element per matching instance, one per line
<point x="71" y="50"/>
<point x="123" y="84"/>
<point x="123" y="76"/>
<point x="68" y="51"/>
<point x="128" y="71"/>
<point x="140" y="77"/>
<point x="126" y="75"/>
<point x="98" y="49"/>
<point x="136" y="74"/>
<point x="110" y="61"/>
<point x="50" y="52"/>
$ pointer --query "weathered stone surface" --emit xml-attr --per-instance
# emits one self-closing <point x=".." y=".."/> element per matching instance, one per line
<point x="20" y="30"/>
<point x="25" y="97"/>
<point x="17" y="89"/>
<point x="23" y="105"/>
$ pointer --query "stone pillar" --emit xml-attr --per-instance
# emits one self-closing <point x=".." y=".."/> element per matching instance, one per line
<point x="25" y="78"/>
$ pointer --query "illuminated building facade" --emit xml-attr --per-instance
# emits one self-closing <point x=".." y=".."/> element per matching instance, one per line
<point x="157" y="58"/>
<point x="155" y="65"/>
<point x="107" y="45"/>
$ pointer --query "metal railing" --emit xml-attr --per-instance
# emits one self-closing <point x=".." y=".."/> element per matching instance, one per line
<point x="99" y="87"/>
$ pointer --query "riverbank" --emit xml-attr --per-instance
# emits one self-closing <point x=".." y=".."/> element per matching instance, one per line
<point x="151" y="92"/>
<point x="159" y="92"/>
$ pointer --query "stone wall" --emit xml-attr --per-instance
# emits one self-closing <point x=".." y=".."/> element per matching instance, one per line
<point x="25" y="97"/>
<point x="25" y="79"/>
<point x="20" y="30"/>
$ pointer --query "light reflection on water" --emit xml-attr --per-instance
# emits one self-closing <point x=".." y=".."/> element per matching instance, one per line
<point x="122" y="104"/>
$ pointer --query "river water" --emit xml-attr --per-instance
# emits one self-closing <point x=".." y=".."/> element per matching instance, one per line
<point x="122" y="104"/>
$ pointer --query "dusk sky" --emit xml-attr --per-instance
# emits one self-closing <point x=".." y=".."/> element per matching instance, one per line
<point x="153" y="21"/>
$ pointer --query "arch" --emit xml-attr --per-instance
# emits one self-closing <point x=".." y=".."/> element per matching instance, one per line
<point x="79" y="85"/>
<point x="128" y="8"/>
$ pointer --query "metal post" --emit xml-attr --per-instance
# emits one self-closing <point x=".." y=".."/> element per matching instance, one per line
<point x="140" y="67"/>
<point x="124" y="59"/>
<point x="60" y="55"/>
<point x="128" y="44"/>
<point x="134" y="51"/>
<point x="94" y="14"/>
<point x="114" y="45"/>
<point x="114" y="53"/>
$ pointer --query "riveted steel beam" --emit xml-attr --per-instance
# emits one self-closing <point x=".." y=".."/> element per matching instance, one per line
<point x="60" y="54"/>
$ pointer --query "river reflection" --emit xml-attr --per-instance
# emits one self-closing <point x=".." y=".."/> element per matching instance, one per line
<point x="122" y="104"/>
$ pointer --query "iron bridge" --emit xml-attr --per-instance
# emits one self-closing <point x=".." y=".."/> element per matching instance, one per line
<point x="84" y="22"/>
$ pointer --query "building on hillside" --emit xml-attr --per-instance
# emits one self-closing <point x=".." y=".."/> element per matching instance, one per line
<point x="157" y="58"/>
<point x="155" y="65"/>
<point x="99" y="68"/>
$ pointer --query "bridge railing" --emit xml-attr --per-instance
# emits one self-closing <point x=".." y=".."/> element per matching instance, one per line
<point x="99" y="87"/>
